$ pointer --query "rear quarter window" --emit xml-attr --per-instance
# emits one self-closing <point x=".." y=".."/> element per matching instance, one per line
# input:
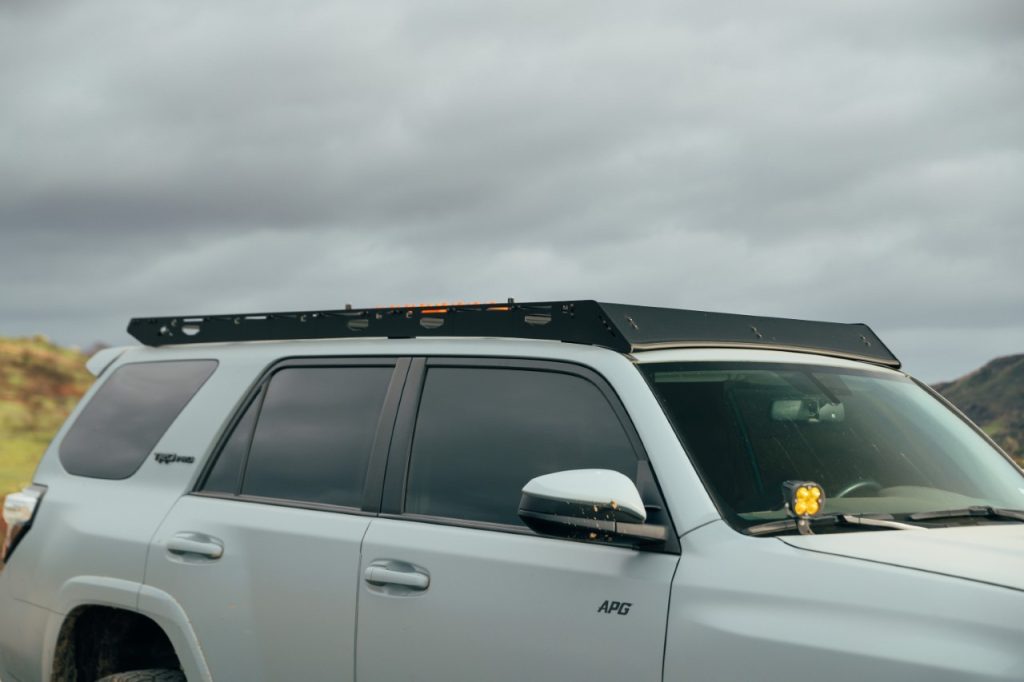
<point x="128" y="415"/>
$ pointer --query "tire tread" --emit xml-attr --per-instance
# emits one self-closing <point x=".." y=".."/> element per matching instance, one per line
<point x="154" y="675"/>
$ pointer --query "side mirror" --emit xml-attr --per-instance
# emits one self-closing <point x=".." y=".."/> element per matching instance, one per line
<point x="588" y="504"/>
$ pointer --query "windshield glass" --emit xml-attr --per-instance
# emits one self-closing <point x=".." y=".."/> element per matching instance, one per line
<point x="875" y="441"/>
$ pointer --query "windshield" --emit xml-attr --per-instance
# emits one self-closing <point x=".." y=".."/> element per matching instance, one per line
<point x="875" y="441"/>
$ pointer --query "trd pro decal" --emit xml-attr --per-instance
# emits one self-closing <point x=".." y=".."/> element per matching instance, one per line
<point x="171" y="458"/>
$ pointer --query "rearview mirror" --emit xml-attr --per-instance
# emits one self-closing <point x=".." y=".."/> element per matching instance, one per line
<point x="587" y="504"/>
<point x="807" y="410"/>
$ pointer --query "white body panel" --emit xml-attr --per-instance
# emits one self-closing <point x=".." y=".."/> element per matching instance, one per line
<point x="985" y="554"/>
<point x="747" y="608"/>
<point x="280" y="603"/>
<point x="506" y="607"/>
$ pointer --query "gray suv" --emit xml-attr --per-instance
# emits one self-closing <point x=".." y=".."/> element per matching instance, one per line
<point x="516" y="491"/>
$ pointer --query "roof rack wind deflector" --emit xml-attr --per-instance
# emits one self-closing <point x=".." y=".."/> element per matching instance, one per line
<point x="623" y="328"/>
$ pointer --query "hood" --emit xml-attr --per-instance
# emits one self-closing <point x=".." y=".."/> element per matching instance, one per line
<point x="992" y="554"/>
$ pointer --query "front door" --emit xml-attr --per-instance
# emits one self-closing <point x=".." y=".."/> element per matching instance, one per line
<point x="454" y="586"/>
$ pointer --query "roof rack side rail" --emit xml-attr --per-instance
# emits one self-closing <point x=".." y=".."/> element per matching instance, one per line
<point x="623" y="328"/>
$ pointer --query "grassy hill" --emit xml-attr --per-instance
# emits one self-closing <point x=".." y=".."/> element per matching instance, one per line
<point x="40" y="383"/>
<point x="993" y="397"/>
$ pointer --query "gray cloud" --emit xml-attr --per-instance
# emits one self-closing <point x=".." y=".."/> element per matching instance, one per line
<point x="850" y="161"/>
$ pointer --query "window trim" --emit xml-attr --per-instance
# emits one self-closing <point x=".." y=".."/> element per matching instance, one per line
<point x="400" y="453"/>
<point x="372" y="485"/>
<point x="285" y="502"/>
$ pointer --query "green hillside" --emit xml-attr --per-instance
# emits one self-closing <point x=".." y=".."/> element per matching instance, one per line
<point x="993" y="397"/>
<point x="40" y="383"/>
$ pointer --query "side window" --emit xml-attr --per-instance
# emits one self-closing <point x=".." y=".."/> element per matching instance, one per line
<point x="227" y="470"/>
<point x="128" y="416"/>
<point x="313" y="436"/>
<point x="482" y="434"/>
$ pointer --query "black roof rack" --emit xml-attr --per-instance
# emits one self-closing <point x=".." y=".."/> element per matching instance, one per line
<point x="624" y="328"/>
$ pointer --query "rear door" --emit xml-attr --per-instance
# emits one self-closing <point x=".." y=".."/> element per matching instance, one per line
<point x="455" y="587"/>
<point x="264" y="556"/>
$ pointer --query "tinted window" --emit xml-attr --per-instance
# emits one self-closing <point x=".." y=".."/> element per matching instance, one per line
<point x="227" y="470"/>
<point x="482" y="434"/>
<point x="128" y="415"/>
<point x="314" y="434"/>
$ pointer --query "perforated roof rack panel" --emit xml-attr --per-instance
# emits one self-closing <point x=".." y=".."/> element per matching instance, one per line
<point x="623" y="328"/>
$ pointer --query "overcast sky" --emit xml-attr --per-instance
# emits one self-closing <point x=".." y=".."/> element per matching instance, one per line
<point x="850" y="161"/>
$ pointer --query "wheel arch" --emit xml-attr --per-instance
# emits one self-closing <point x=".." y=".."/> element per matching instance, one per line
<point x="95" y="641"/>
<point x="139" y="603"/>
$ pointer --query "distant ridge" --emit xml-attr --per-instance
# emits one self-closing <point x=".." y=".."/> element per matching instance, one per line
<point x="993" y="397"/>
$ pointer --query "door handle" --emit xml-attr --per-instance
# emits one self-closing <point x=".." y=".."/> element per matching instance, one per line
<point x="386" y="574"/>
<point x="196" y="544"/>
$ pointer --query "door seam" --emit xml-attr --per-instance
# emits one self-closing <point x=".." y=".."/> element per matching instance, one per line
<point x="668" y="617"/>
<point x="359" y="592"/>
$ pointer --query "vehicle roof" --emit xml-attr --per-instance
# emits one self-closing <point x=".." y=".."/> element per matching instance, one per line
<point x="370" y="347"/>
<point x="268" y="351"/>
<point x="755" y="355"/>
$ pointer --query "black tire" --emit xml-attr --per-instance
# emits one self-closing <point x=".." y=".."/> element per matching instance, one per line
<point x="145" y="676"/>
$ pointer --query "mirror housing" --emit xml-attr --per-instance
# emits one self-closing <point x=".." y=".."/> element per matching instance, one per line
<point x="597" y="505"/>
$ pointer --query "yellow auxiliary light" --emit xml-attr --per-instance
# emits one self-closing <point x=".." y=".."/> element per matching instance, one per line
<point x="804" y="499"/>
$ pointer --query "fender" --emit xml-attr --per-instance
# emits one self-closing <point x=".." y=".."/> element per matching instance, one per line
<point x="168" y="614"/>
<point x="130" y="596"/>
<point x="85" y="590"/>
